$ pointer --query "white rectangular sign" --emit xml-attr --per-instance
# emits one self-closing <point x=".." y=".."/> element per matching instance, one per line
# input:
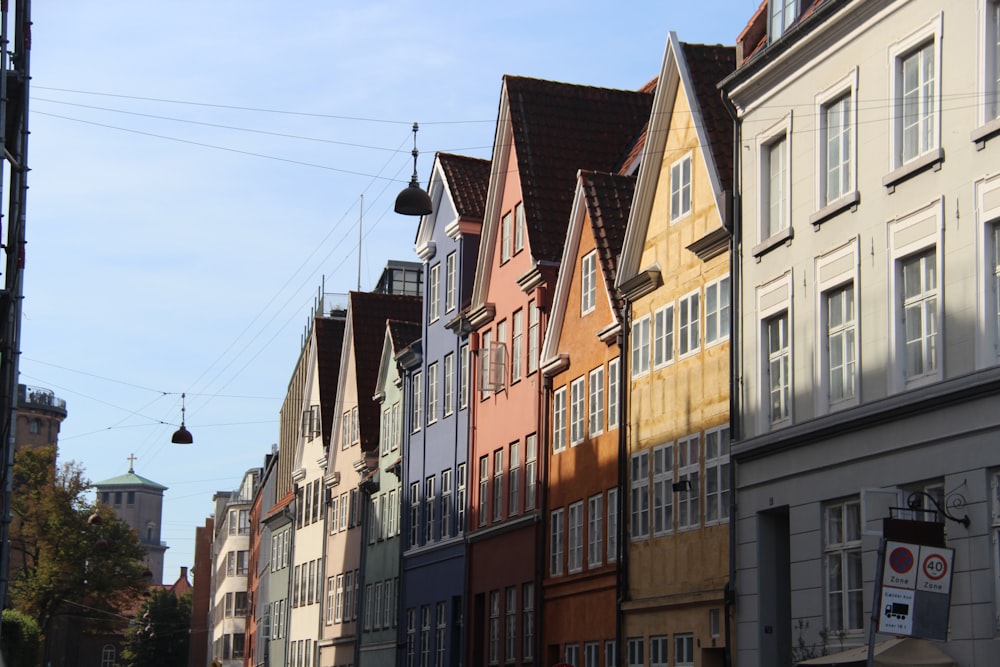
<point x="896" y="611"/>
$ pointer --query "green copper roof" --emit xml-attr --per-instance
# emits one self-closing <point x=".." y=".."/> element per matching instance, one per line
<point x="131" y="479"/>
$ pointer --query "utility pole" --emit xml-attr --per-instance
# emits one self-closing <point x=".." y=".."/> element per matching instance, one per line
<point x="14" y="77"/>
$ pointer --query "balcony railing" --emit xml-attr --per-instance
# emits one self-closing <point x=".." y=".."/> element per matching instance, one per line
<point x="39" y="397"/>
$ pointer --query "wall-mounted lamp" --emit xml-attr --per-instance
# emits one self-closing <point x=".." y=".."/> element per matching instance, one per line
<point x="182" y="436"/>
<point x="414" y="200"/>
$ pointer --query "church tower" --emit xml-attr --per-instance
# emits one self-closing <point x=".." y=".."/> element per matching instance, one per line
<point x="138" y="502"/>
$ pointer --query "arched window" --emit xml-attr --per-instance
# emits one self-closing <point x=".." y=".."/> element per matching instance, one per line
<point x="108" y="656"/>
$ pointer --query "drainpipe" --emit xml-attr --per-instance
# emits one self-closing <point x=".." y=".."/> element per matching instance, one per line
<point x="735" y="247"/>
<point x="621" y="553"/>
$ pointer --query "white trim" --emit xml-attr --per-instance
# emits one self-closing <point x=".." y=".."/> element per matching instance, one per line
<point x="833" y="270"/>
<point x="986" y="80"/>
<point x="772" y="299"/>
<point x="675" y="218"/>
<point x="896" y="53"/>
<point x="782" y="130"/>
<point x="987" y="211"/>
<point x="846" y="86"/>
<point x="909" y="235"/>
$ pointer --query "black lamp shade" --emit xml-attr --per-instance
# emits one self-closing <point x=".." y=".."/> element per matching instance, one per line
<point x="182" y="436"/>
<point x="413" y="200"/>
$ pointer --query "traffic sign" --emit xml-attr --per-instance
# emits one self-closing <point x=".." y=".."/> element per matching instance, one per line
<point x="934" y="572"/>
<point x="900" y="570"/>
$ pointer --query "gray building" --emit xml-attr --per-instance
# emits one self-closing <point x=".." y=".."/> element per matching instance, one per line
<point x="867" y="282"/>
<point x="138" y="502"/>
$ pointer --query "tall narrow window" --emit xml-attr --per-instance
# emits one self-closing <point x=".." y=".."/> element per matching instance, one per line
<point x="588" y="282"/>
<point x="463" y="377"/>
<point x="494" y="646"/>
<point x="836" y="148"/>
<point x="717" y="298"/>
<point x="514" y="479"/>
<point x="844" y="574"/>
<point x="841" y="344"/>
<point x="449" y="383"/>
<point x="430" y="502"/>
<point x="639" y="526"/>
<point x="559" y="420"/>
<point x="595" y="546"/>
<point x="689" y="325"/>
<point x="416" y="415"/>
<point x="411" y="637"/>
<point x="636" y="654"/>
<point x="519" y="227"/>
<point x="688" y="474"/>
<point x="445" y="504"/>
<point x="658" y="651"/>
<point x="442" y="632"/>
<point x="680" y="188"/>
<point x="460" y="500"/>
<point x="916" y="103"/>
<point x="484" y="489"/>
<point x="510" y="625"/>
<point x="556" y="532"/>
<point x="530" y="467"/>
<point x="592" y="654"/>
<point x="920" y="312"/>
<point x="450" y="268"/>
<point x="414" y="514"/>
<point x="574" y="533"/>
<point x="663" y="495"/>
<point x="434" y="293"/>
<point x="425" y="635"/>
<point x="432" y="393"/>
<point x="517" y="346"/>
<point x="613" y="393"/>
<point x="576" y="409"/>
<point x="663" y="336"/>
<point x="683" y="650"/>
<point x="528" y="620"/>
<point x="774" y="192"/>
<point x="595" y="390"/>
<point x="612" y="525"/>
<point x="533" y="336"/>
<point x="778" y="368"/>
<point x="640" y="346"/>
<point x="506" y="229"/>
<point x="717" y="474"/>
<point x="395" y="429"/>
<point x="498" y="485"/>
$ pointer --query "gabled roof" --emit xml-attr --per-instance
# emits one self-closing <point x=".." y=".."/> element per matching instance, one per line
<point x="403" y="334"/>
<point x="691" y="70"/>
<point x="609" y="199"/>
<point x="468" y="179"/>
<point x="329" y="333"/>
<point x="557" y="129"/>
<point x="368" y="313"/>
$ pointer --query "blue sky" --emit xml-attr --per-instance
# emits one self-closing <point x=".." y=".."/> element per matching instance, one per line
<point x="197" y="170"/>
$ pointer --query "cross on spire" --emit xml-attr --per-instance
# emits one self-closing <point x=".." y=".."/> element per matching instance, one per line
<point x="131" y="460"/>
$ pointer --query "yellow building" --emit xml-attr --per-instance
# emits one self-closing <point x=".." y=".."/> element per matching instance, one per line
<point x="674" y="276"/>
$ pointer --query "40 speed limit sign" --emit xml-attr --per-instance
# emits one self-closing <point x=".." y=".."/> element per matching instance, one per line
<point x="934" y="570"/>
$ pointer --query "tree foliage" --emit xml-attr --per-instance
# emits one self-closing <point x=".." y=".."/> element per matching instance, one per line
<point x="21" y="638"/>
<point x="159" y="635"/>
<point x="61" y="560"/>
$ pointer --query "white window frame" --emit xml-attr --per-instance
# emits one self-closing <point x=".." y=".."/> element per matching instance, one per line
<point x="577" y="410"/>
<point x="988" y="218"/>
<point x="484" y="489"/>
<point x="595" y="544"/>
<point x="449" y="384"/>
<point x="519" y="227"/>
<point x="640" y="340"/>
<point x="559" y="433"/>
<point x="534" y="328"/>
<point x="530" y="471"/>
<point x="837" y="548"/>
<point x="432" y="393"/>
<point x="847" y="170"/>
<point x="571" y="655"/>
<point x="911" y="236"/>
<point x="506" y="229"/>
<point x="664" y="322"/>
<point x="450" y="285"/>
<point x="434" y="293"/>
<point x="498" y="485"/>
<point x="639" y="496"/>
<point x="635" y="648"/>
<point x="689" y="324"/>
<point x="574" y="537"/>
<point x="556" y="536"/>
<point x="595" y="402"/>
<point x="989" y="69"/>
<point x="689" y="471"/>
<point x="464" y="369"/>
<point x="446" y="503"/>
<point x="510" y="625"/>
<point x="514" y="479"/>
<point x="417" y="402"/>
<point x="663" y="495"/>
<point x="430" y="501"/>
<point x="461" y="486"/>
<point x="770" y="231"/>
<point x="658" y="651"/>
<point x="718" y="302"/>
<point x="612" y="523"/>
<point x="527" y="621"/>
<point x="717" y="487"/>
<point x="588" y="282"/>
<point x="680" y="189"/>
<point x="613" y="393"/>
<point x="494" y="640"/>
<point x="781" y="15"/>
<point x="684" y="650"/>
<point x="836" y="271"/>
<point x="414" y="514"/>
<point x="517" y="346"/>
<point x="592" y="654"/>
<point x="774" y="300"/>
<point x="899" y="52"/>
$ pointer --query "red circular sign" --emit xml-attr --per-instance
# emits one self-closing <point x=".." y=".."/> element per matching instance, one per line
<point x="935" y="566"/>
<point x="901" y="560"/>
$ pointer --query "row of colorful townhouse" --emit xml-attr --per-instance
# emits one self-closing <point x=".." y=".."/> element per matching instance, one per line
<point x="643" y="413"/>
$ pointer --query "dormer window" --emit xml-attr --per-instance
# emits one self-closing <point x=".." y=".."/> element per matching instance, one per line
<point x="782" y="14"/>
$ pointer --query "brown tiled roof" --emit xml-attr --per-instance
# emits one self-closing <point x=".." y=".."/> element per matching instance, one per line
<point x="559" y="128"/>
<point x="609" y="199"/>
<point x="369" y="313"/>
<point x="468" y="179"/>
<point x="708" y="65"/>
<point x="329" y="341"/>
<point x="403" y="333"/>
<point x="754" y="34"/>
<point x="285" y="501"/>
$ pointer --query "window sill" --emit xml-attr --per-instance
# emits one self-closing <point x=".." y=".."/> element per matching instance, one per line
<point x="986" y="131"/>
<point x="929" y="160"/>
<point x="767" y="245"/>
<point x="837" y="206"/>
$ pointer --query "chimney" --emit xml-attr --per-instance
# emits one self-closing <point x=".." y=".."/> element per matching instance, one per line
<point x="184" y="572"/>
